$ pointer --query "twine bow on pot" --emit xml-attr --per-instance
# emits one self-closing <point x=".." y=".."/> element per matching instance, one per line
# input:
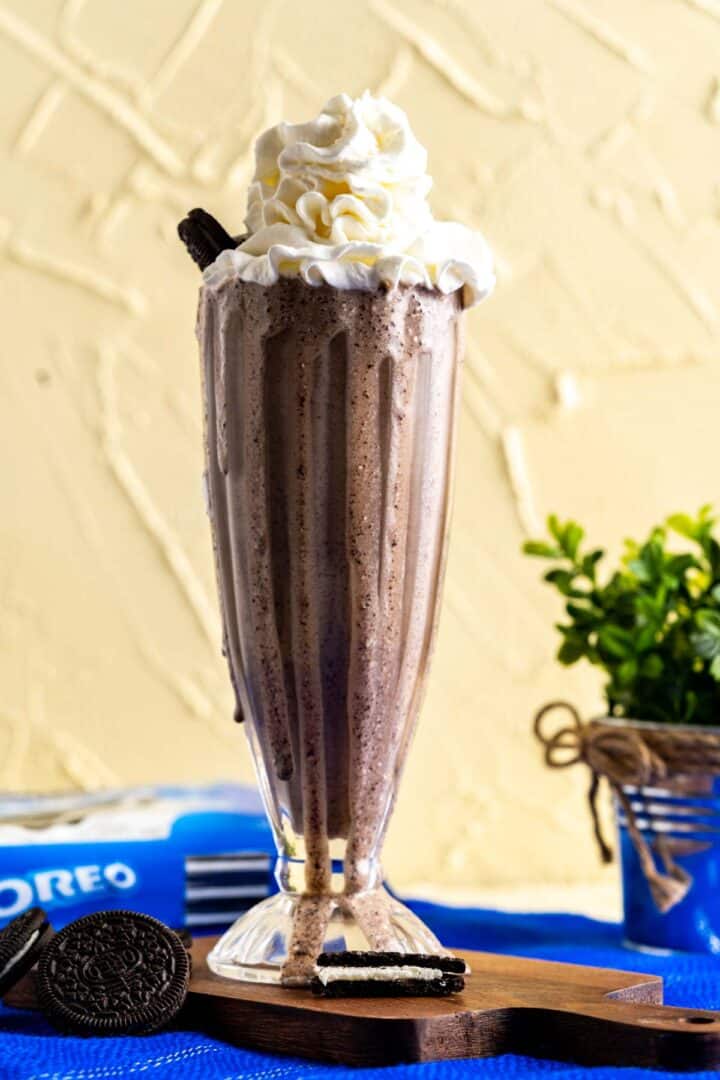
<point x="625" y="756"/>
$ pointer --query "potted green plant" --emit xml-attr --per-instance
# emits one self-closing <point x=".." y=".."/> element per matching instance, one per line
<point x="651" y="624"/>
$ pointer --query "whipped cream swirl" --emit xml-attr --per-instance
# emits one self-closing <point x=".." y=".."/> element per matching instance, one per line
<point x="342" y="200"/>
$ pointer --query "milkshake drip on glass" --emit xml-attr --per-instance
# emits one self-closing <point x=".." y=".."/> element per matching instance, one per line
<point x="331" y="341"/>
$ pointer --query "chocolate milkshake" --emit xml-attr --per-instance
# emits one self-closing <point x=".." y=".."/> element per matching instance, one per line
<point x="331" y="341"/>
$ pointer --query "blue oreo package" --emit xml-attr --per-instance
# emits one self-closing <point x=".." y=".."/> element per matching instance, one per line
<point x="194" y="857"/>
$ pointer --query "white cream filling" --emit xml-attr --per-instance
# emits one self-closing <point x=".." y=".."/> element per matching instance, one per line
<point x="328" y="975"/>
<point x="19" y="955"/>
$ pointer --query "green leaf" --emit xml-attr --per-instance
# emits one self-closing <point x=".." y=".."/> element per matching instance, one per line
<point x="691" y="702"/>
<point x="682" y="524"/>
<point x="646" y="638"/>
<point x="590" y="561"/>
<point x="715" y="668"/>
<point x="651" y="666"/>
<point x="706" y="639"/>
<point x="570" y="651"/>
<point x="555" y="528"/>
<point x="616" y="641"/>
<point x="630" y="549"/>
<point x="650" y="606"/>
<point x="541" y="550"/>
<point x="677" y="565"/>
<point x="584" y="615"/>
<point x="649" y="562"/>
<point x="639" y="569"/>
<point x="705" y="522"/>
<point x="572" y="538"/>
<point x="563" y="580"/>
<point x="712" y="552"/>
<point x="627" y="672"/>
<point x="708" y="621"/>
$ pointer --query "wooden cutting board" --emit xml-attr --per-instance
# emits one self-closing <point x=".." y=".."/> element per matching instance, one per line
<point x="593" y="1016"/>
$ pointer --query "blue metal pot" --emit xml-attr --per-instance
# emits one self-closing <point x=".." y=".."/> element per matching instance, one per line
<point x="684" y="812"/>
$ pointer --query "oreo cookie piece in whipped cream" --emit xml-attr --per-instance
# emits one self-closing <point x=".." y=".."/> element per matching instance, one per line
<point x="21" y="943"/>
<point x="387" y="974"/>
<point x="204" y="237"/>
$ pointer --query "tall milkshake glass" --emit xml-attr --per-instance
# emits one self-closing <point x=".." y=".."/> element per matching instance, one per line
<point x="329" y="430"/>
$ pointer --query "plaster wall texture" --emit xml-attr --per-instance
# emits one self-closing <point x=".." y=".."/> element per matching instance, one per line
<point x="582" y="137"/>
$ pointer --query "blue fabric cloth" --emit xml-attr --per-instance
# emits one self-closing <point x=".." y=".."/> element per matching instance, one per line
<point x="29" y="1049"/>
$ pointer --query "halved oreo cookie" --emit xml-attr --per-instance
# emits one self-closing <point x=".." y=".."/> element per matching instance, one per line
<point x="113" y="973"/>
<point x="204" y="237"/>
<point x="387" y="974"/>
<point x="21" y="943"/>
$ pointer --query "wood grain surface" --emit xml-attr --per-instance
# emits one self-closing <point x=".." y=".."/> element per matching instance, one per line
<point x="510" y="1005"/>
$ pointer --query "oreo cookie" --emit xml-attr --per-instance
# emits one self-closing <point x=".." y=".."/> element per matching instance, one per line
<point x="113" y="973"/>
<point x="387" y="974"/>
<point x="21" y="943"/>
<point x="204" y="237"/>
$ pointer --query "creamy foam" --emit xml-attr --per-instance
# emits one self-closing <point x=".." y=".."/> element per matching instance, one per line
<point x="342" y="200"/>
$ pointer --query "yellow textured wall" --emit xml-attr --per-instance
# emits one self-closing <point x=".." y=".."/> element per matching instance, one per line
<point x="583" y="136"/>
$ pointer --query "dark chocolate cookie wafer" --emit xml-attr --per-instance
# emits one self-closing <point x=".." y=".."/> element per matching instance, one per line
<point x="204" y="237"/>
<point x="357" y="958"/>
<point x="186" y="939"/>
<point x="113" y="973"/>
<point x="21" y="943"/>
<point x="387" y="974"/>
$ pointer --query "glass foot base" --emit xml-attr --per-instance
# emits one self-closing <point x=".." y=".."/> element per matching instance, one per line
<point x="255" y="947"/>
